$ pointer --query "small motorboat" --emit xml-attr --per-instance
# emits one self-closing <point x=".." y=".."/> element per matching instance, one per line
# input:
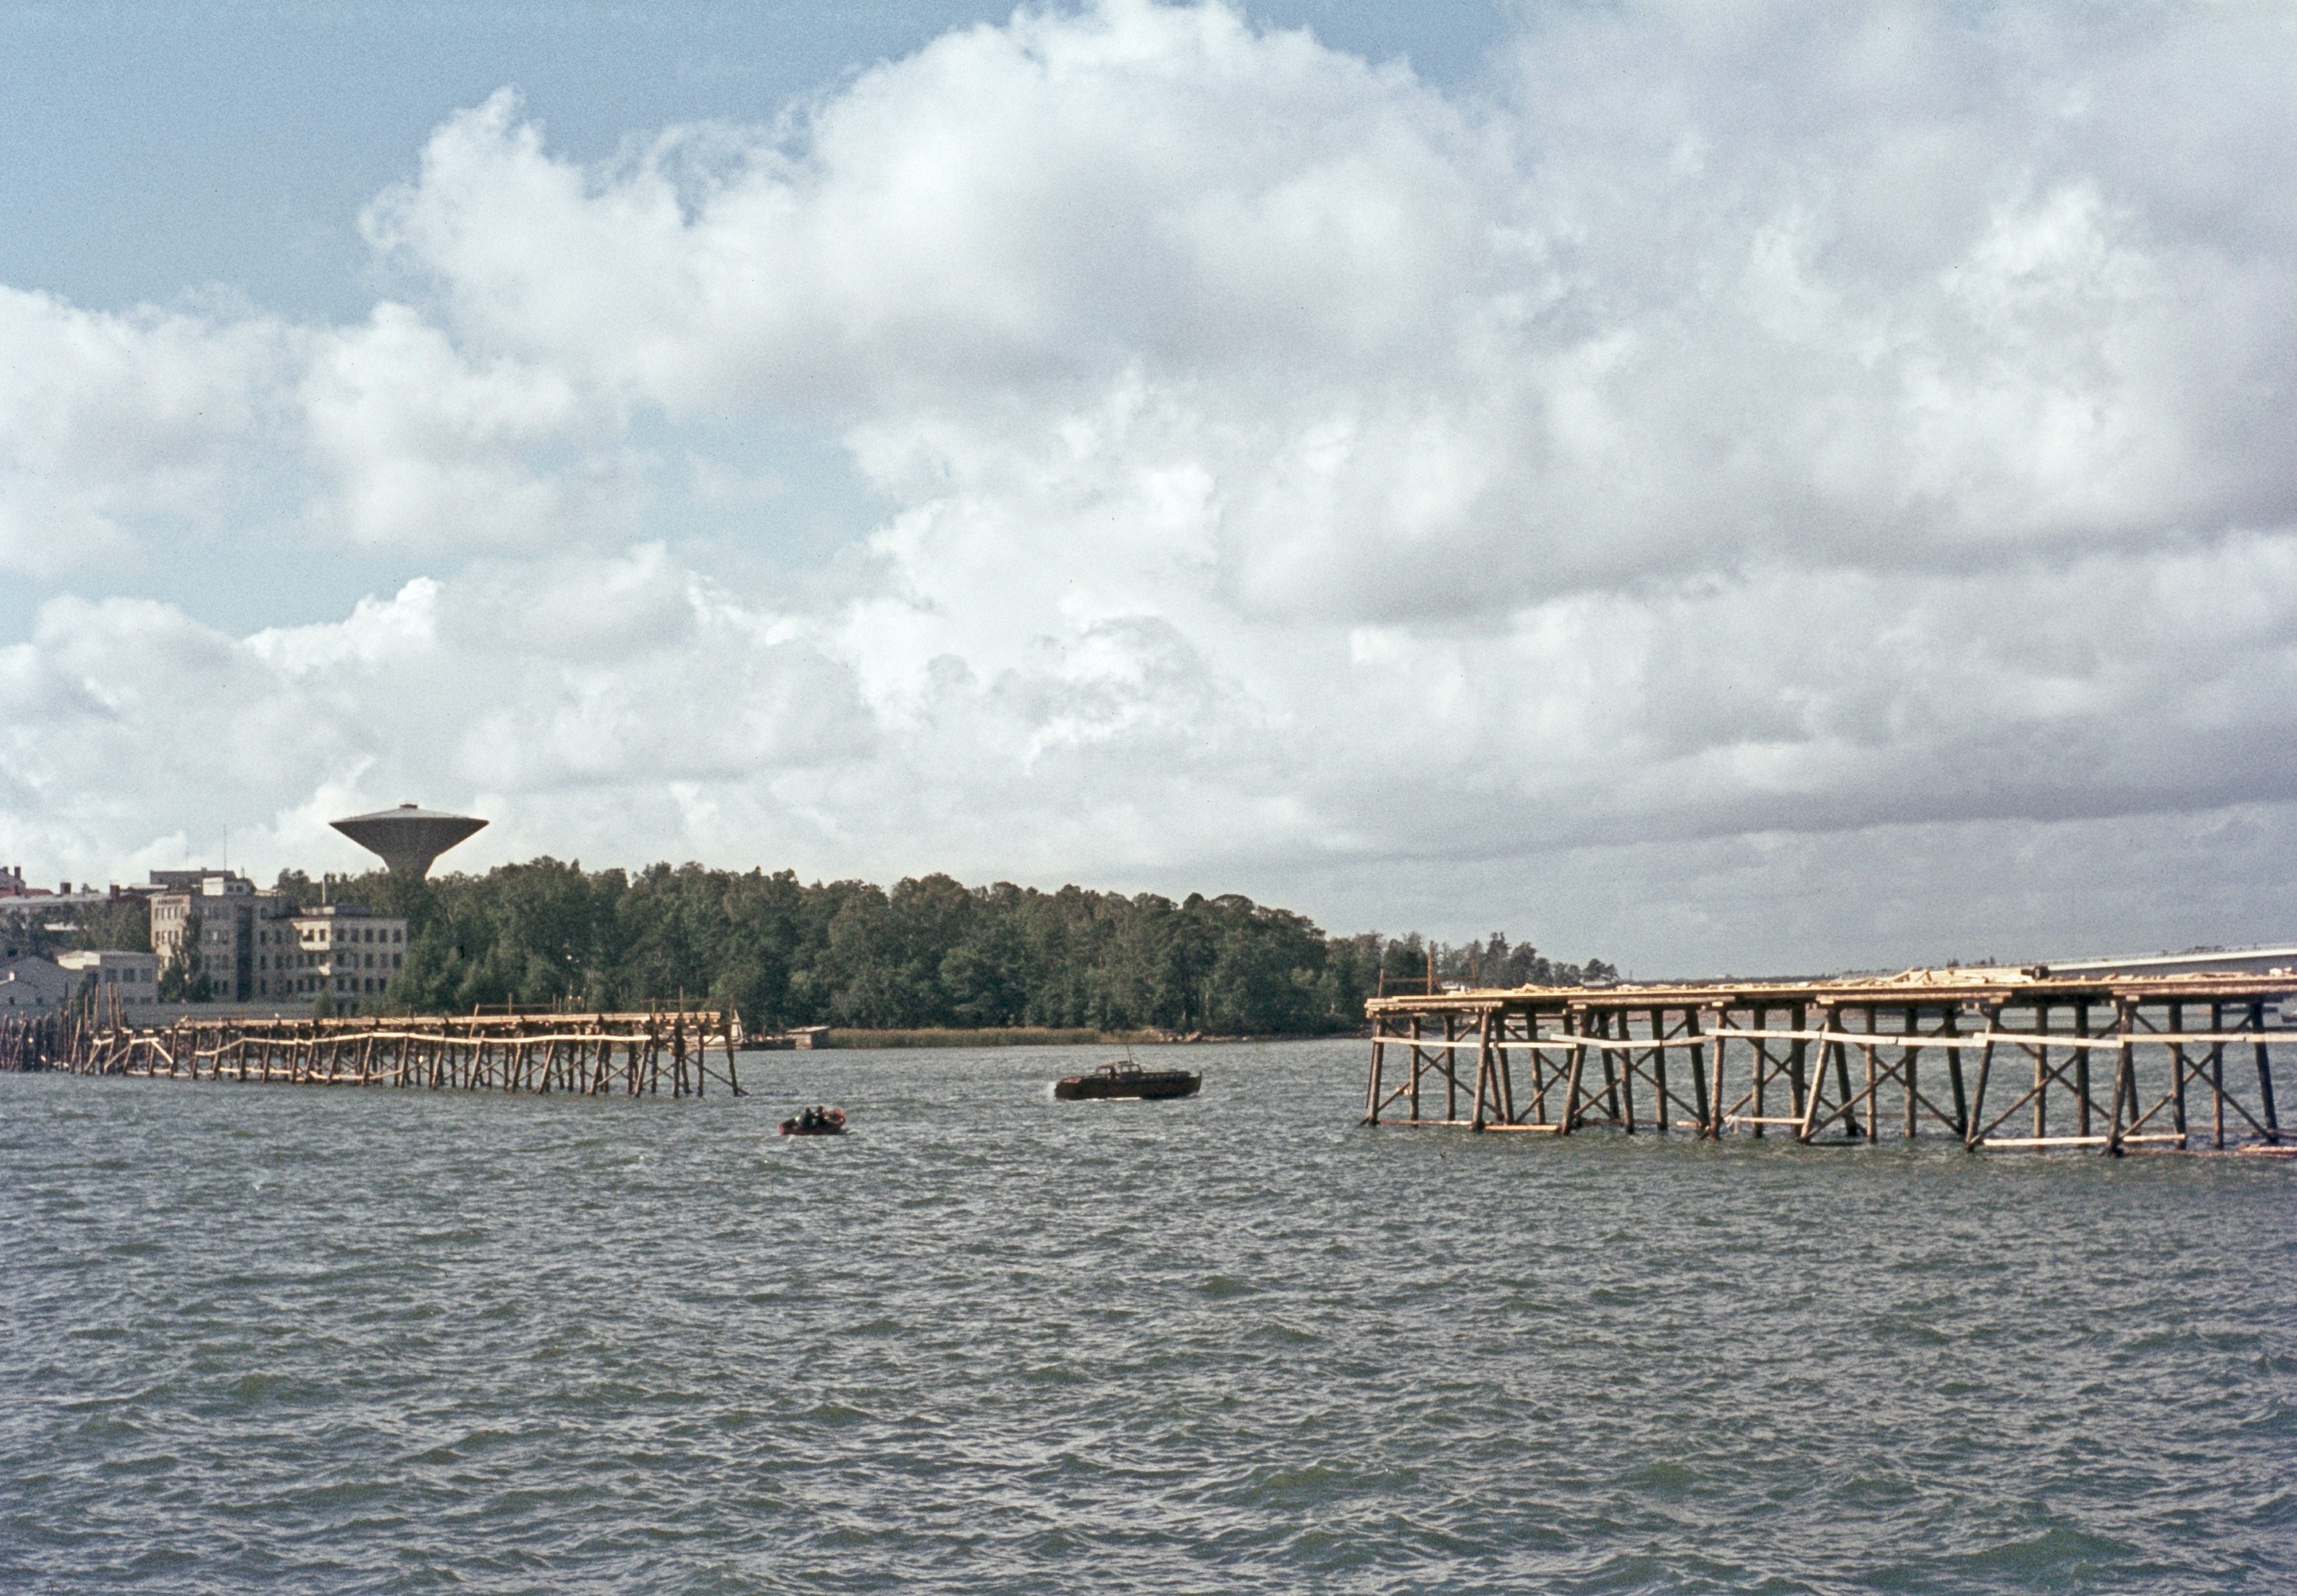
<point x="815" y="1122"/>
<point x="1126" y="1079"/>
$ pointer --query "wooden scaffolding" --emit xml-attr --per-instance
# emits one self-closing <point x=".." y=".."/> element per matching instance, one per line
<point x="630" y="1055"/>
<point x="1998" y="1059"/>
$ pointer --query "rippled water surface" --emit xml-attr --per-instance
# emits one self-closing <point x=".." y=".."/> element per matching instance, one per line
<point x="320" y="1339"/>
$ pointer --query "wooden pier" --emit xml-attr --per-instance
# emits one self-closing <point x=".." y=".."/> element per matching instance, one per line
<point x="1997" y="1059"/>
<point x="650" y="1054"/>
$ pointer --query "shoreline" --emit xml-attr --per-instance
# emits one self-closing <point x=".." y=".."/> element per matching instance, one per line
<point x="849" y="1039"/>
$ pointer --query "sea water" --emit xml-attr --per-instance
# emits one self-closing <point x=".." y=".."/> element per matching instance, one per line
<point x="303" y="1339"/>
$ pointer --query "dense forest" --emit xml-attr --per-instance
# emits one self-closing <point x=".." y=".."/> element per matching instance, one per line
<point x="927" y="953"/>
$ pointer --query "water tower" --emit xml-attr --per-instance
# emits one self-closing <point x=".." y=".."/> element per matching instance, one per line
<point x="408" y="837"/>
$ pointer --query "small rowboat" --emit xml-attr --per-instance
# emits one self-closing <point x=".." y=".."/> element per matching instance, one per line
<point x="1128" y="1079"/>
<point x="829" y="1121"/>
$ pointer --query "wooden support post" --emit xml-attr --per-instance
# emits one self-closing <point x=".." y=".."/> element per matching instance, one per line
<point x="1503" y="1066"/>
<point x="2041" y="1073"/>
<point x="1451" y="1067"/>
<point x="1540" y="1073"/>
<point x="1659" y="1066"/>
<point x="1619" y="1072"/>
<point x="1797" y="1060"/>
<point x="2081" y="1071"/>
<point x="1841" y="1051"/>
<point x="2178" y="1072"/>
<point x="1716" y="1101"/>
<point x="2125" y="1079"/>
<point x="2217" y="1077"/>
<point x="1806" y="1087"/>
<point x="1758" y="1019"/>
<point x="1907" y="1066"/>
<point x="1701" y="1103"/>
<point x="1869" y="1086"/>
<point x="1579" y="1056"/>
<point x="1953" y="1027"/>
<point x="2265" y="1077"/>
<point x="1371" y="1085"/>
<point x="1486" y="1087"/>
<point x="1417" y="1064"/>
<point x="1970" y="1136"/>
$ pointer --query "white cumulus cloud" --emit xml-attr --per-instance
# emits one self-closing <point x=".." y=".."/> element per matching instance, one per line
<point x="1714" y="459"/>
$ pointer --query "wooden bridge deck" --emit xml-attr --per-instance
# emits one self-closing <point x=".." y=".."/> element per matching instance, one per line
<point x="2003" y="1059"/>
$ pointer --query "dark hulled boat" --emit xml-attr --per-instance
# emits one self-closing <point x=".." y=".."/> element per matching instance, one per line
<point x="815" y="1122"/>
<point x="1128" y="1079"/>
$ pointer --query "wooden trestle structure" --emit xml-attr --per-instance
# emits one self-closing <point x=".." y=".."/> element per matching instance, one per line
<point x="1995" y="1059"/>
<point x="628" y="1055"/>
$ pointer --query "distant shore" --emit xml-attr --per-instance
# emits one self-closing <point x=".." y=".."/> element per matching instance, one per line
<point x="1028" y="1036"/>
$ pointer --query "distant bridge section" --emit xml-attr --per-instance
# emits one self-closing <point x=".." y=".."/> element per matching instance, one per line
<point x="2200" y="961"/>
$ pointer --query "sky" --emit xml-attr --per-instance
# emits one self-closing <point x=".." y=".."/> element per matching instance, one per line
<point x="1762" y="489"/>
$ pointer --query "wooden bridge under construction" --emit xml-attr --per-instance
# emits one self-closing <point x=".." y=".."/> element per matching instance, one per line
<point x="1995" y="1059"/>
<point x="650" y="1054"/>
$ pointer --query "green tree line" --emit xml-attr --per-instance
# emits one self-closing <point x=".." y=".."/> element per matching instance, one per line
<point x="928" y="951"/>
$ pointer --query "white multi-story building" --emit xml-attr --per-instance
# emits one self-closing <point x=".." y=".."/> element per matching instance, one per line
<point x="339" y="949"/>
<point x="256" y="946"/>
<point x="215" y="920"/>
<point x="134" y="976"/>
